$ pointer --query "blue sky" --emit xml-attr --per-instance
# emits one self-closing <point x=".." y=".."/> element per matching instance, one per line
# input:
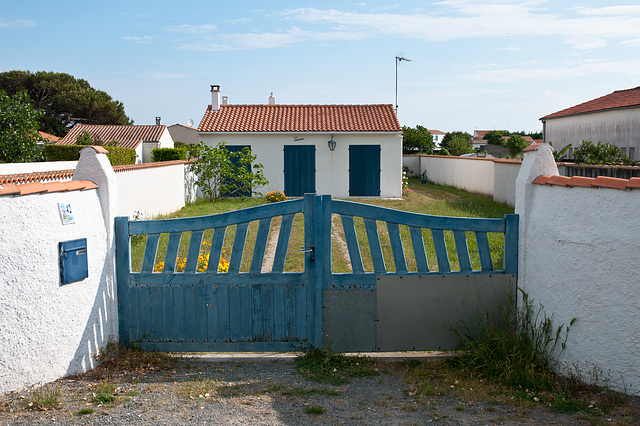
<point x="486" y="64"/>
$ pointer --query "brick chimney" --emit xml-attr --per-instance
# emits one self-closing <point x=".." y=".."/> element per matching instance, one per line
<point x="215" y="97"/>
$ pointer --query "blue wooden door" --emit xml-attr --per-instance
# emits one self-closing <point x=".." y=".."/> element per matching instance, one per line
<point x="299" y="170"/>
<point x="364" y="170"/>
<point x="244" y="192"/>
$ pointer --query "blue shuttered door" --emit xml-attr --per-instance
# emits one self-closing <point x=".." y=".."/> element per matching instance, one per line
<point x="299" y="170"/>
<point x="232" y="149"/>
<point x="364" y="170"/>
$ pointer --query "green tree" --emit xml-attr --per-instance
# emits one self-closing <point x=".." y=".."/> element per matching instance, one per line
<point x="600" y="153"/>
<point x="460" y="144"/>
<point x="495" y="137"/>
<point x="457" y="134"/>
<point x="84" y="139"/>
<point x="224" y="174"/>
<point x="516" y="143"/>
<point x="417" y="140"/>
<point x="18" y="129"/>
<point x="64" y="100"/>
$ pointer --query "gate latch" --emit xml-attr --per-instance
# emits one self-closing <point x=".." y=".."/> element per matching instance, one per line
<point x="310" y="250"/>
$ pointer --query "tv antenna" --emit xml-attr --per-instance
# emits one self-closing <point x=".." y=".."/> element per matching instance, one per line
<point x="399" y="59"/>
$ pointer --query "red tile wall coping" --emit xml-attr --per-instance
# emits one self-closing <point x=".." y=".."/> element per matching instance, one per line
<point x="21" y="178"/>
<point x="587" y="182"/>
<point x="39" y="187"/>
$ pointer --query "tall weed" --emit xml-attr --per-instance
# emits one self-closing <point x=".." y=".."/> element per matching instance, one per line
<point x="519" y="348"/>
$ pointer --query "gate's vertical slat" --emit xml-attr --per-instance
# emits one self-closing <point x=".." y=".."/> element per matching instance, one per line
<point x="352" y="244"/>
<point x="484" y="251"/>
<point x="167" y="319"/>
<point x="279" y="313"/>
<point x="216" y="249"/>
<point x="150" y="251"/>
<point x="510" y="263"/>
<point x="267" y="312"/>
<point x="374" y="246"/>
<point x="155" y="295"/>
<point x="261" y="246"/>
<point x="290" y="312"/>
<point x="283" y="243"/>
<point x="222" y="298"/>
<point x="464" y="260"/>
<point x="179" y="314"/>
<point x="194" y="251"/>
<point x="235" y="315"/>
<point x="144" y="317"/>
<point x="418" y="249"/>
<point x="245" y="309"/>
<point x="172" y="252"/>
<point x="257" y="321"/>
<point x="212" y="312"/>
<point x="123" y="269"/>
<point x="441" y="250"/>
<point x="396" y="248"/>
<point x="238" y="247"/>
<point x="308" y="318"/>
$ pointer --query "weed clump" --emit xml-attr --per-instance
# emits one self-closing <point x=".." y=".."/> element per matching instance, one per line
<point x="519" y="349"/>
<point x="325" y="366"/>
<point x="117" y="359"/>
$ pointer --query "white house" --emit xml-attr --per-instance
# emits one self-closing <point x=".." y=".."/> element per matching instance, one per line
<point x="614" y="118"/>
<point x="437" y="138"/>
<point x="142" y="138"/>
<point x="341" y="150"/>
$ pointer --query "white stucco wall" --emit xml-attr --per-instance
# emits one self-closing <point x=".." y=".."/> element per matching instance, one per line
<point x="332" y="176"/>
<point x="468" y="173"/>
<point x="48" y="330"/>
<point x="505" y="173"/>
<point x="578" y="258"/>
<point x="151" y="191"/>
<point x="618" y="127"/>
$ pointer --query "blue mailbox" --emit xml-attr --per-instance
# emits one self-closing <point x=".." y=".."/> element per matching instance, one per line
<point x="73" y="260"/>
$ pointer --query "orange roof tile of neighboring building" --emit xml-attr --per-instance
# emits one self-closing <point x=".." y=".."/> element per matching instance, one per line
<point x="127" y="136"/>
<point x="587" y="182"/>
<point x="300" y="118"/>
<point x="436" y="132"/>
<point x="48" y="136"/>
<point x="38" y="187"/>
<point x="629" y="98"/>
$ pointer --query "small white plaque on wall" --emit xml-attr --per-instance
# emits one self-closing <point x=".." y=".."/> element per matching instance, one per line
<point x="66" y="213"/>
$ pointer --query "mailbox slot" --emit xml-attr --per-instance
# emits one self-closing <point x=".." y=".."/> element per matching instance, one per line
<point x="73" y="260"/>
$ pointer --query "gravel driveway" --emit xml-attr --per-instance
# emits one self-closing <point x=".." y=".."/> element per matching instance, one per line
<point x="261" y="390"/>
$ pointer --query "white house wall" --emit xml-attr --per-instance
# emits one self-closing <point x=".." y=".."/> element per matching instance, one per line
<point x="332" y="168"/>
<point x="618" y="127"/>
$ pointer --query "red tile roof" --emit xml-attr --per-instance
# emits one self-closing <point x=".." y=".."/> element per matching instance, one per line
<point x="300" y="118"/>
<point x="48" y="136"/>
<point x="127" y="136"/>
<point x="38" y="187"/>
<point x="587" y="182"/>
<point x="436" y="132"/>
<point x="629" y="98"/>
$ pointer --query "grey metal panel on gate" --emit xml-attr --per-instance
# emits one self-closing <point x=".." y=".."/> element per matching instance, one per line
<point x="349" y="320"/>
<point x="417" y="312"/>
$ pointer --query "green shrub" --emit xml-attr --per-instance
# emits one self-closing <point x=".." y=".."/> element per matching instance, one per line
<point x="169" y="154"/>
<point x="117" y="156"/>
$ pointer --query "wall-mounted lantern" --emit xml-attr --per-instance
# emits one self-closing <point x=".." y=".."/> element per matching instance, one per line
<point x="332" y="144"/>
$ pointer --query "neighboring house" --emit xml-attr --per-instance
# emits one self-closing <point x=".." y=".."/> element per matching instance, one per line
<point x="437" y="138"/>
<point x="614" y="118"/>
<point x="478" y="140"/>
<point x="47" y="137"/>
<point x="142" y="138"/>
<point x="186" y="134"/>
<point x="341" y="150"/>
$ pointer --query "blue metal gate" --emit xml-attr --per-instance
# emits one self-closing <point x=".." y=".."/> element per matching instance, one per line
<point x="177" y="306"/>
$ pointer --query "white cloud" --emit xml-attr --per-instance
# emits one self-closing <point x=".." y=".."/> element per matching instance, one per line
<point x="193" y="29"/>
<point x="138" y="38"/>
<point x="611" y="11"/>
<point x="14" y="24"/>
<point x="634" y="42"/>
<point x="530" y="72"/>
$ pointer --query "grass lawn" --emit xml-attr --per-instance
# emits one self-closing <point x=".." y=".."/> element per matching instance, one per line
<point x="424" y="198"/>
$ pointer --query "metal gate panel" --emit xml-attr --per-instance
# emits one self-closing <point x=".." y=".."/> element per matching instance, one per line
<point x="299" y="170"/>
<point x="349" y="320"/>
<point x="364" y="170"/>
<point x="419" y="312"/>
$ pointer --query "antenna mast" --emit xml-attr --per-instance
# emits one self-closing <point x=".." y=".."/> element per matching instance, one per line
<point x="398" y="59"/>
